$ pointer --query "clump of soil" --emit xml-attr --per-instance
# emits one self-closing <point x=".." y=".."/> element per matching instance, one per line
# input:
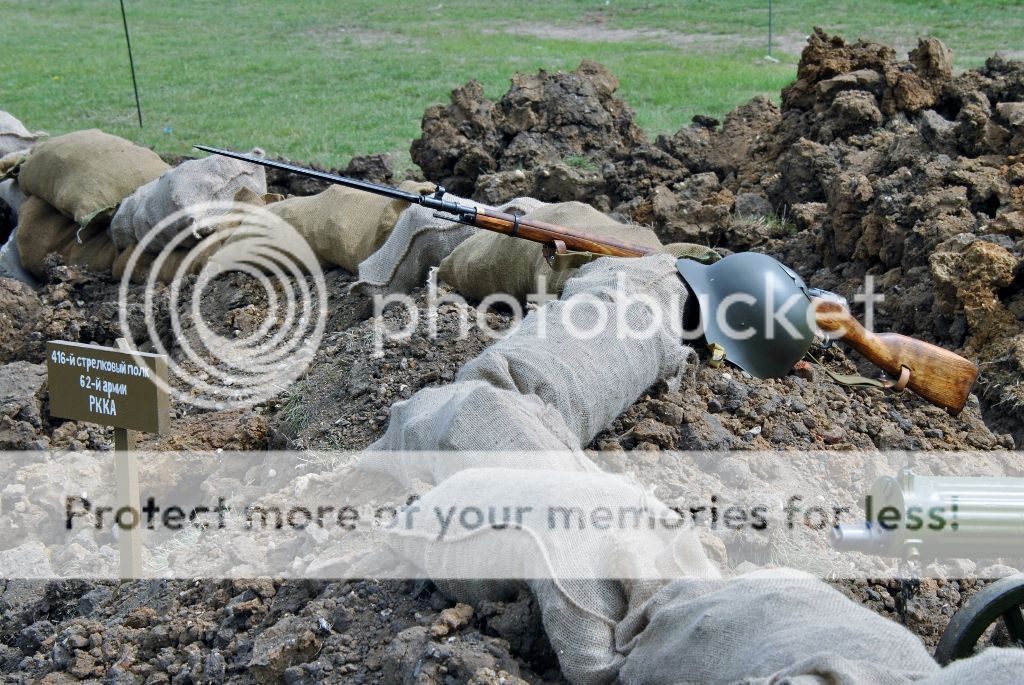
<point x="545" y="138"/>
<point x="260" y="631"/>
<point x="344" y="399"/>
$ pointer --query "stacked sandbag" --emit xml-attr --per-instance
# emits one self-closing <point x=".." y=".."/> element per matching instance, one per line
<point x="344" y="226"/>
<point x="488" y="262"/>
<point x="11" y="195"/>
<point x="42" y="230"/>
<point x="173" y="264"/>
<point x="14" y="136"/>
<point x="86" y="174"/>
<point x="10" y="162"/>
<point x="706" y="630"/>
<point x="186" y="191"/>
<point x="479" y="263"/>
<point x="91" y="248"/>
<point x="15" y="143"/>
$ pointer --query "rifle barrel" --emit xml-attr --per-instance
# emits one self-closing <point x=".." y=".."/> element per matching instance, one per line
<point x="386" y="191"/>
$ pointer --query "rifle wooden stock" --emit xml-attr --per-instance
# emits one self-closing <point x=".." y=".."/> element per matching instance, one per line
<point x="938" y="375"/>
<point x="540" y="232"/>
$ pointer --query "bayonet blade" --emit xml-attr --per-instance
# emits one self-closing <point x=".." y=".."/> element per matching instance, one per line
<point x="375" y="188"/>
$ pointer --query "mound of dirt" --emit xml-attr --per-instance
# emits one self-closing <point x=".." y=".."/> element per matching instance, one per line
<point x="261" y="631"/>
<point x="545" y="138"/>
<point x="912" y="176"/>
<point x="872" y="166"/>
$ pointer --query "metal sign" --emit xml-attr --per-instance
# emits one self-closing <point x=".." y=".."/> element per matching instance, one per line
<point x="107" y="386"/>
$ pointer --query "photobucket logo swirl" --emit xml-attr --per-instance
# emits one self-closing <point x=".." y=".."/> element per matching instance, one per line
<point x="215" y="240"/>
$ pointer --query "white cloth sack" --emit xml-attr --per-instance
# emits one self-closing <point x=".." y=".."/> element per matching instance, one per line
<point x="10" y="262"/>
<point x="185" y="188"/>
<point x="14" y="136"/>
<point x="418" y="242"/>
<point x="518" y="399"/>
<point x="11" y="194"/>
<point x="769" y="627"/>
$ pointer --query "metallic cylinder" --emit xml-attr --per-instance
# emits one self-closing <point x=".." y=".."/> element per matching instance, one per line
<point x="940" y="517"/>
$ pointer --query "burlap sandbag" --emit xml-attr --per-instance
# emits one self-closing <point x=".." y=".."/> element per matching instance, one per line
<point x="87" y="173"/>
<point x="993" y="666"/>
<point x="187" y="189"/>
<point x="437" y="432"/>
<point x="567" y="397"/>
<point x="11" y="163"/>
<point x="767" y="627"/>
<point x="344" y="226"/>
<point x="419" y="242"/>
<point x="92" y="248"/>
<point x="572" y="570"/>
<point x="489" y="262"/>
<point x="41" y="230"/>
<point x="14" y="136"/>
<point x="591" y="380"/>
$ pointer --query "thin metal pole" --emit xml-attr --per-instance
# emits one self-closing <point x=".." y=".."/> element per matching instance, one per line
<point x="131" y="61"/>
<point x="769" y="28"/>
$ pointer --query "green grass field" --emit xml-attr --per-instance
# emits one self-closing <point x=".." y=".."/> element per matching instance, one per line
<point x="322" y="81"/>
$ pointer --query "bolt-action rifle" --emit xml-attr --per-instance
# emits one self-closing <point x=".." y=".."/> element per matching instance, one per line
<point x="937" y="375"/>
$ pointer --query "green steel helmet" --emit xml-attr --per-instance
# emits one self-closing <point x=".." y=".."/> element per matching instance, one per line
<point x="757" y="309"/>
